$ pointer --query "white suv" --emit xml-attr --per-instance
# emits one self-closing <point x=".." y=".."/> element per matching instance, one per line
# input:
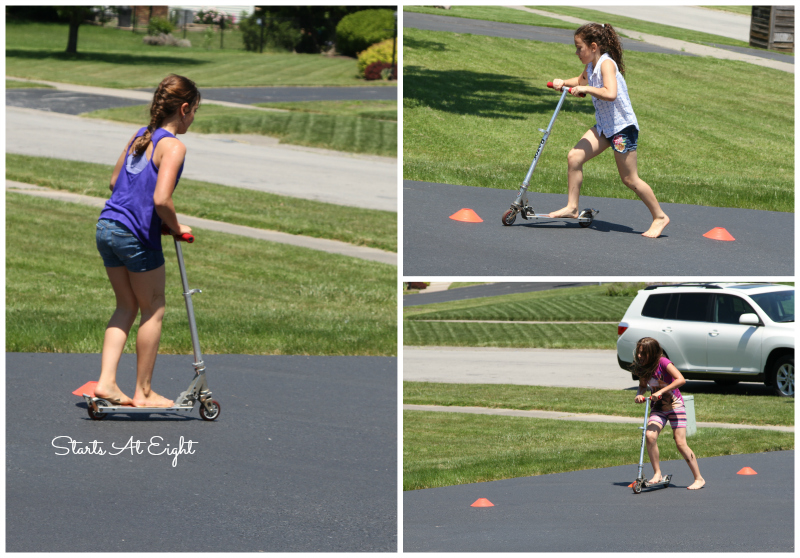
<point x="726" y="332"/>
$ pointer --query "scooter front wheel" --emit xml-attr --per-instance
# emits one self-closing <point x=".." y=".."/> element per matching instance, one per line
<point x="509" y="217"/>
<point x="97" y="415"/>
<point x="205" y="414"/>
<point x="637" y="487"/>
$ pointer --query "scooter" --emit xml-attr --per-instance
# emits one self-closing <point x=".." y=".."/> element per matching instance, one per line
<point x="640" y="481"/>
<point x="520" y="204"/>
<point x="197" y="391"/>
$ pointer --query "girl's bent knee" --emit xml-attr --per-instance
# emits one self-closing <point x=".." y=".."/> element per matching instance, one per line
<point x="575" y="158"/>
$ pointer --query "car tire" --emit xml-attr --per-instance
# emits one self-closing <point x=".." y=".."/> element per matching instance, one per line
<point x="782" y="376"/>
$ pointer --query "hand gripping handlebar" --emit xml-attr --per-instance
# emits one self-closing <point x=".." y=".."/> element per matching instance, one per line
<point x="550" y="85"/>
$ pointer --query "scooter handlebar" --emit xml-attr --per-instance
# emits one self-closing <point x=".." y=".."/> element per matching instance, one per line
<point x="185" y="237"/>
<point x="550" y="85"/>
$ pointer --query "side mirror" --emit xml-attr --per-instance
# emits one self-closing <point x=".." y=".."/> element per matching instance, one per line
<point x="749" y="319"/>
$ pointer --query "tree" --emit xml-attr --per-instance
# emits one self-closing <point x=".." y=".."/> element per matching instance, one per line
<point x="75" y="15"/>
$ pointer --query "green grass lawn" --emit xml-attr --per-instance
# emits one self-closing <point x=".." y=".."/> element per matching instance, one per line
<point x="445" y="449"/>
<point x="262" y="210"/>
<point x="340" y="132"/>
<point x="13" y="84"/>
<point x="110" y="57"/>
<point x="494" y="13"/>
<point x="709" y="407"/>
<point x="377" y="110"/>
<point x="590" y="303"/>
<point x="473" y="104"/>
<point x="258" y="297"/>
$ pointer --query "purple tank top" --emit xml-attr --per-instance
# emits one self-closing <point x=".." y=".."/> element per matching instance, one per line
<point x="131" y="201"/>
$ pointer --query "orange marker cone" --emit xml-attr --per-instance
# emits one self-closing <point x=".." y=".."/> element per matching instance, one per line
<point x="747" y="471"/>
<point x="87" y="388"/>
<point x="466" y="216"/>
<point x="718" y="233"/>
<point x="482" y="503"/>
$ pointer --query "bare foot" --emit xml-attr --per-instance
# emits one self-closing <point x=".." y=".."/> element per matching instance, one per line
<point x="697" y="484"/>
<point x="151" y="400"/>
<point x="112" y="393"/>
<point x="565" y="212"/>
<point x="657" y="227"/>
<point x="655" y="479"/>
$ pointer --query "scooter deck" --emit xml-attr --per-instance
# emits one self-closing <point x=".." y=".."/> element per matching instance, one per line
<point x="664" y="482"/>
<point x="578" y="219"/>
<point x="87" y="392"/>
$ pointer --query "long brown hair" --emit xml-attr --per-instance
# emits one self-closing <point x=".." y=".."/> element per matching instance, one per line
<point x="647" y="365"/>
<point x="170" y="94"/>
<point x="606" y="38"/>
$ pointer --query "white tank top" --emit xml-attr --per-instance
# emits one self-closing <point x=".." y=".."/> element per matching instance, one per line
<point x="611" y="116"/>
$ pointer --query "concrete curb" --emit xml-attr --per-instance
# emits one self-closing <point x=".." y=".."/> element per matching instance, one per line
<point x="321" y="244"/>
<point x="581" y="417"/>
<point x="674" y="44"/>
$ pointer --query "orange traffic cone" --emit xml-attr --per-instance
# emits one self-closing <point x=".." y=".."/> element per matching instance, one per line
<point x="466" y="216"/>
<point x="482" y="503"/>
<point x="718" y="233"/>
<point x="87" y="388"/>
<point x="747" y="471"/>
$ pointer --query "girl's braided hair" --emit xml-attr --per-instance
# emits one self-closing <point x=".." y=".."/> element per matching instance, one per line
<point x="171" y="93"/>
<point x="606" y="38"/>
<point x="646" y="366"/>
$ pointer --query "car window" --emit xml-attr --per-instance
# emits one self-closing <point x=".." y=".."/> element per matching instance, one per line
<point x="728" y="308"/>
<point x="779" y="306"/>
<point x="656" y="306"/>
<point x="693" y="307"/>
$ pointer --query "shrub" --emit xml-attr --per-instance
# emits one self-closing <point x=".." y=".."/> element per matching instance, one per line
<point x="159" y="25"/>
<point x="162" y="39"/>
<point x="357" y="31"/>
<point x="380" y="70"/>
<point x="379" y="52"/>
<point x="624" y="289"/>
<point x="282" y="35"/>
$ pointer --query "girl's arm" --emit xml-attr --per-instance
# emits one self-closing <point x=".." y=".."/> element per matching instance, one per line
<point x="118" y="166"/>
<point x="572" y="82"/>
<point x="171" y="158"/>
<point x="640" y="392"/>
<point x="678" y="380"/>
<point x="609" y="90"/>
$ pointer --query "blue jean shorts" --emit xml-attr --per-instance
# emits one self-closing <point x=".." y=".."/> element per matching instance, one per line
<point x="625" y="140"/>
<point x="118" y="246"/>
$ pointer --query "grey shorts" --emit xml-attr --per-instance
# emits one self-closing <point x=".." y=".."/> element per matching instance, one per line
<point x="118" y="246"/>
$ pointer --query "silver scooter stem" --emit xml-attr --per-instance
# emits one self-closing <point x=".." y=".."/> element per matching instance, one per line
<point x="644" y="433"/>
<point x="524" y="188"/>
<point x="187" y="295"/>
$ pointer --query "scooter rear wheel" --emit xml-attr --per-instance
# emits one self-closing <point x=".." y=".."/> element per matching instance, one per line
<point x="509" y="217"/>
<point x="97" y="415"/>
<point x="206" y="415"/>
<point x="586" y="213"/>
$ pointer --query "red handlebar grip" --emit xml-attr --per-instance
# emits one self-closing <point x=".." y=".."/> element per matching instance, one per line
<point x="550" y="85"/>
<point x="185" y="237"/>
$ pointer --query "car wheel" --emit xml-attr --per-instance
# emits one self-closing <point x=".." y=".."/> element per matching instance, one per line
<point x="782" y="376"/>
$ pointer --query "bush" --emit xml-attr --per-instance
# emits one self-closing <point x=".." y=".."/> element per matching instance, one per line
<point x="159" y="25"/>
<point x="380" y="70"/>
<point x="624" y="289"/>
<point x="162" y="39"/>
<point x="357" y="31"/>
<point x="379" y="52"/>
<point x="281" y="35"/>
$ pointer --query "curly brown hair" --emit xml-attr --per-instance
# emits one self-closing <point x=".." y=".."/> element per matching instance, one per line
<point x="606" y="38"/>
<point x="647" y="365"/>
<point x="170" y="95"/>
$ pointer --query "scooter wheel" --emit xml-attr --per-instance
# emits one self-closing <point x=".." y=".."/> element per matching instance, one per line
<point x="212" y="415"/>
<point x="97" y="415"/>
<point x="637" y="487"/>
<point x="587" y="213"/>
<point x="509" y="217"/>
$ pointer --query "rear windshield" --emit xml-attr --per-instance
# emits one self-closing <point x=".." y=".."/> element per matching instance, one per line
<point x="779" y="306"/>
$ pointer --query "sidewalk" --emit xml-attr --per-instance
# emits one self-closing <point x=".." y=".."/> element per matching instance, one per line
<point x="322" y="244"/>
<point x="581" y="417"/>
<point x="675" y="44"/>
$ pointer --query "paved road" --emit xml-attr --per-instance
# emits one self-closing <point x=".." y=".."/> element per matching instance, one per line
<point x="481" y="291"/>
<point x="538" y="367"/>
<point x="303" y="458"/>
<point x="714" y="22"/>
<point x="78" y="102"/>
<point x="611" y="246"/>
<point x="429" y="22"/>
<point x="595" y="511"/>
<point x="325" y="176"/>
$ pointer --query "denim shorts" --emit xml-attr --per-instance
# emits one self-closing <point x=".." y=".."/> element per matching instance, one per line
<point x="625" y="140"/>
<point x="118" y="246"/>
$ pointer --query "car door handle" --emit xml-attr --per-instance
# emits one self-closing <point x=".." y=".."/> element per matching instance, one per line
<point x="667" y="330"/>
<point x="713" y="333"/>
